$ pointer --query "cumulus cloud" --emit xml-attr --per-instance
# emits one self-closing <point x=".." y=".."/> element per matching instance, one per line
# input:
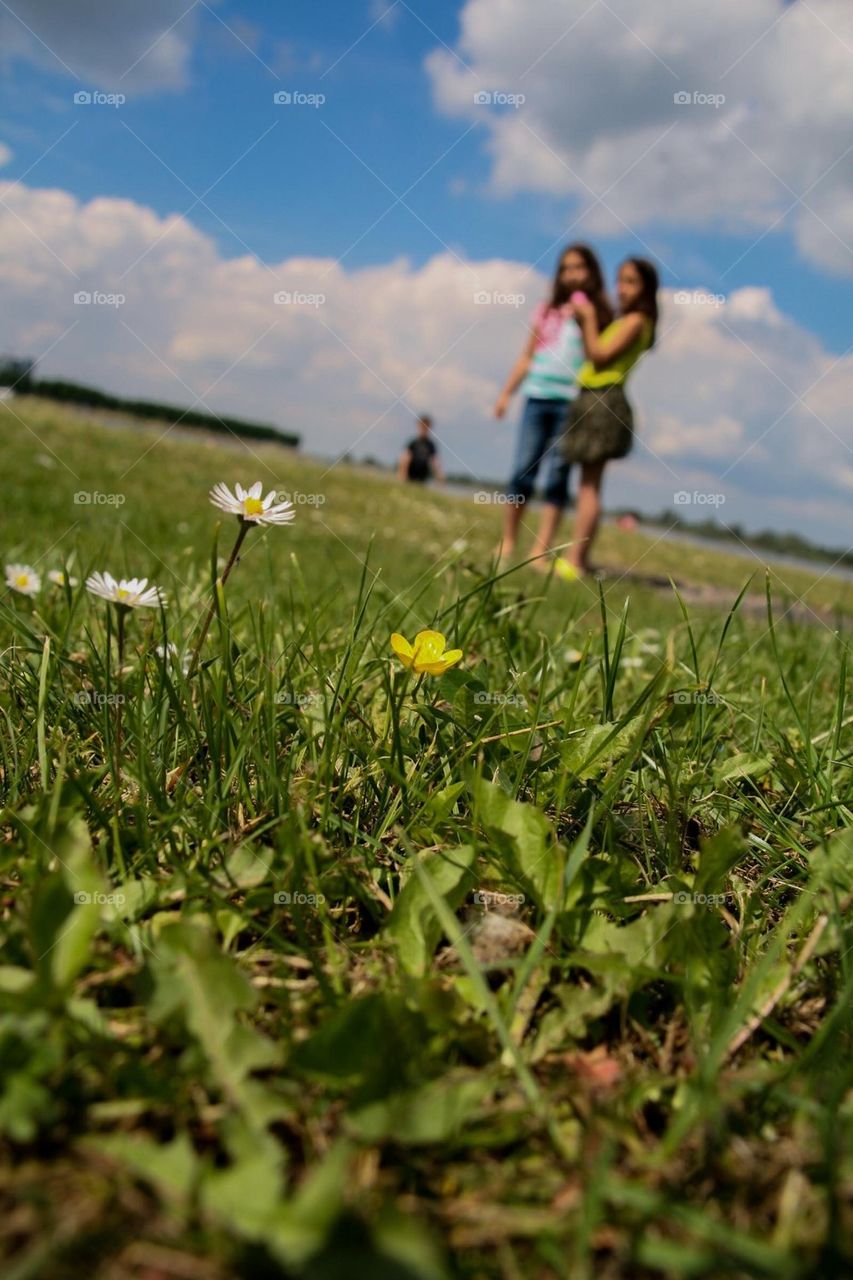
<point x="120" y="47"/>
<point x="385" y="13"/>
<point x="725" y="115"/>
<point x="737" y="398"/>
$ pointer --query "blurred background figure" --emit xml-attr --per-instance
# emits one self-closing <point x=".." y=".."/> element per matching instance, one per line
<point x="600" y="424"/>
<point x="546" y="373"/>
<point x="419" y="460"/>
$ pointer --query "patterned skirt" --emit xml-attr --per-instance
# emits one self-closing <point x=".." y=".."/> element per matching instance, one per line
<point x="599" y="426"/>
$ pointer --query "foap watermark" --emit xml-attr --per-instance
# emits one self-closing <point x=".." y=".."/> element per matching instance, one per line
<point x="293" y="298"/>
<point x="697" y="499"/>
<point x="284" y="898"/>
<point x="497" y="98"/>
<point x="95" y="298"/>
<point x="85" y="899"/>
<point x="483" y="497"/>
<point x="483" y="698"/>
<point x="296" y="98"/>
<point x="95" y="498"/>
<point x="697" y="697"/>
<point x="300" y="499"/>
<point x="93" y="698"/>
<point x="698" y="298"/>
<point x="494" y="298"/>
<point x="491" y="898"/>
<point x="287" y="698"/>
<point x="683" y="899"/>
<point x="696" y="98"/>
<point x="94" y="98"/>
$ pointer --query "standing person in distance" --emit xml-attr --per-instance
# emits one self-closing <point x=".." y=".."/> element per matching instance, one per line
<point x="600" y="423"/>
<point x="546" y="372"/>
<point x="419" y="460"/>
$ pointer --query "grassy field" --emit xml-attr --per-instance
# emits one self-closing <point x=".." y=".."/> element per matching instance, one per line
<point x="316" y="967"/>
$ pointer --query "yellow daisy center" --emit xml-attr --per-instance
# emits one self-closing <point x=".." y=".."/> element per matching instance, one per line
<point x="22" y="579"/>
<point x="252" y="506"/>
<point x="123" y="593"/>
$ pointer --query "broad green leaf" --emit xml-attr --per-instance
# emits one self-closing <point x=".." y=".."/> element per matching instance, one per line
<point x="743" y="765"/>
<point x="300" y="1227"/>
<point x="523" y="835"/>
<point x="716" y="859"/>
<point x="133" y="898"/>
<point x="436" y="1112"/>
<point x="15" y="980"/>
<point x="66" y="907"/>
<point x="25" y="1105"/>
<point x="440" y="803"/>
<point x="637" y="949"/>
<point x="831" y="867"/>
<point x="412" y="1250"/>
<point x="375" y="1043"/>
<point x="172" y="1167"/>
<point x="246" y="1194"/>
<point x="413" y="925"/>
<point x="591" y="753"/>
<point x="246" y="868"/>
<point x="197" y="981"/>
<point x="568" y="1023"/>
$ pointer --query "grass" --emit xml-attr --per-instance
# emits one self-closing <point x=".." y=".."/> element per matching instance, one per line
<point x="537" y="968"/>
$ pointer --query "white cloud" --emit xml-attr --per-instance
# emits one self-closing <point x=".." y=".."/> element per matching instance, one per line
<point x="673" y="437"/>
<point x="385" y="13"/>
<point x="599" y="117"/>
<point x="5" y="154"/>
<point x="122" y="47"/>
<point x="755" y="304"/>
<point x="718" y="402"/>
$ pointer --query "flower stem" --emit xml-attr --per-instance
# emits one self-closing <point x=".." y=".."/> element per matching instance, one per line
<point x="396" y="708"/>
<point x="122" y="613"/>
<point x="232" y="560"/>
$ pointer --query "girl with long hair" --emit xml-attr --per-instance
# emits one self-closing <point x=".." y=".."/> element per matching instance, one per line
<point x="546" y="371"/>
<point x="600" y="423"/>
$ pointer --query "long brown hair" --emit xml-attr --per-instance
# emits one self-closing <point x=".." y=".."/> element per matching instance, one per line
<point x="596" y="290"/>
<point x="647" y="303"/>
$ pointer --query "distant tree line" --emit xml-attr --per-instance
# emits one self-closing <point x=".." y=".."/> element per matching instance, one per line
<point x="789" y="544"/>
<point x="19" y="374"/>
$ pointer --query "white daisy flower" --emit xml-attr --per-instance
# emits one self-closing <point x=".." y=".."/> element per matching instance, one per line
<point x="170" y="653"/>
<point x="132" y="593"/>
<point x="20" y="577"/>
<point x="249" y="506"/>
<point x="58" y="578"/>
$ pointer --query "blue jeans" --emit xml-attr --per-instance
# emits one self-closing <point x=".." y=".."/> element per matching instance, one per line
<point x="542" y="424"/>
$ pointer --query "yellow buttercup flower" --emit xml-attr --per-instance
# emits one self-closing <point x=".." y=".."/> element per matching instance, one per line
<point x="428" y="654"/>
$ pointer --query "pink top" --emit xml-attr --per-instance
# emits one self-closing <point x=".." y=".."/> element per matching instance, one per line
<point x="557" y="355"/>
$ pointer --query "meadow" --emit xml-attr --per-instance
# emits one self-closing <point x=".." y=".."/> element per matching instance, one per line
<point x="317" y="965"/>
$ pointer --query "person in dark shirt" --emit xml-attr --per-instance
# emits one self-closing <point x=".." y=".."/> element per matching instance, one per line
<point x="419" y="460"/>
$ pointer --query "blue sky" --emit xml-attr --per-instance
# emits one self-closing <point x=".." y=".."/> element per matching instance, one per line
<point x="301" y="191"/>
<point x="715" y="201"/>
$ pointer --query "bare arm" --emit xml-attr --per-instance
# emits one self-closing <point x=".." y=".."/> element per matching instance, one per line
<point x="625" y="334"/>
<point x="437" y="469"/>
<point x="403" y="465"/>
<point x="517" y="375"/>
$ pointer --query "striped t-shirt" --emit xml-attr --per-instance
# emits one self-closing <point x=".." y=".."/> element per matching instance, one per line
<point x="557" y="357"/>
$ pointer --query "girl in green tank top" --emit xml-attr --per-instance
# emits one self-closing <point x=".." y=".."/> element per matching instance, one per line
<point x="600" y="422"/>
<point x="616" y="370"/>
